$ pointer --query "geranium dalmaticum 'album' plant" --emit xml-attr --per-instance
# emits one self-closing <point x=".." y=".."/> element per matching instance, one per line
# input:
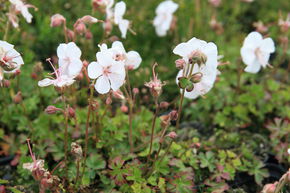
<point x="256" y="52"/>
<point x="131" y="59"/>
<point x="108" y="72"/>
<point x="119" y="11"/>
<point x="70" y="65"/>
<point x="19" y="7"/>
<point x="10" y="59"/>
<point x="164" y="16"/>
<point x="200" y="70"/>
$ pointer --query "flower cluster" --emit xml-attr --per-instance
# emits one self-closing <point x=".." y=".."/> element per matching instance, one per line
<point x="199" y="70"/>
<point x="109" y="70"/>
<point x="10" y="59"/>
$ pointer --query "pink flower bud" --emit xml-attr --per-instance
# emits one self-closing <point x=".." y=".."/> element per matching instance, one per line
<point x="88" y="35"/>
<point x="124" y="108"/>
<point x="109" y="100"/>
<point x="164" y="105"/>
<point x="51" y="110"/>
<point x="85" y="63"/>
<point x="135" y="90"/>
<point x="172" y="135"/>
<point x="180" y="63"/>
<point x="173" y="115"/>
<point x="118" y="94"/>
<point x="108" y="26"/>
<point x="87" y="19"/>
<point x="269" y="188"/>
<point x="57" y="20"/>
<point x="6" y="83"/>
<point x="70" y="34"/>
<point x="80" y="76"/>
<point x="33" y="75"/>
<point x="17" y="72"/>
<point x="80" y="27"/>
<point x="71" y="112"/>
<point x="18" y="98"/>
<point x="215" y="3"/>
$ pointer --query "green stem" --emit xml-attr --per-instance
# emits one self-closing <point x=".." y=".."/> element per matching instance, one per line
<point x="180" y="108"/>
<point x="65" y="135"/>
<point x="6" y="30"/>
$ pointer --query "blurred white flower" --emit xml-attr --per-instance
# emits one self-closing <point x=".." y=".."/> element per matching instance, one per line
<point x="256" y="51"/>
<point x="19" y="6"/>
<point x="205" y="73"/>
<point x="10" y="59"/>
<point x="119" y="11"/>
<point x="70" y="65"/>
<point x="69" y="55"/>
<point x="164" y="16"/>
<point x="109" y="73"/>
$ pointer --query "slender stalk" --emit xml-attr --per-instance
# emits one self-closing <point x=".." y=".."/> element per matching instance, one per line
<point x="78" y="172"/>
<point x="6" y="30"/>
<point x="64" y="32"/>
<point x="180" y="108"/>
<point x="87" y="130"/>
<point x="131" y="106"/>
<point x="65" y="135"/>
<point x="153" y="126"/>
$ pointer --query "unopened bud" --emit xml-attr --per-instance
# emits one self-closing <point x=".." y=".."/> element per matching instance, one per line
<point x="124" y="108"/>
<point x="18" y="98"/>
<point x="108" y="26"/>
<point x="87" y="19"/>
<point x="109" y="100"/>
<point x="33" y="75"/>
<point x="80" y="76"/>
<point x="198" y="57"/>
<point x="70" y="34"/>
<point x="88" y="35"/>
<point x="172" y="135"/>
<point x="196" y="78"/>
<point x="71" y="112"/>
<point x="17" y="72"/>
<point x="80" y="27"/>
<point x="164" y="105"/>
<point x="269" y="188"/>
<point x="180" y="63"/>
<point x="85" y="63"/>
<point x="173" y="115"/>
<point x="215" y="3"/>
<point x="51" y="109"/>
<point x="57" y="20"/>
<point x="76" y="150"/>
<point x="6" y="83"/>
<point x="94" y="105"/>
<point x="135" y="90"/>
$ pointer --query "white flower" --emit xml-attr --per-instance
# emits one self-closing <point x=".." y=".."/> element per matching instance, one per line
<point x="207" y="71"/>
<point x="110" y="74"/>
<point x="256" y="51"/>
<point x="70" y="65"/>
<point x="119" y="11"/>
<point x="35" y="165"/>
<point x="131" y="59"/>
<point x="69" y="59"/>
<point x="10" y="59"/>
<point x="164" y="17"/>
<point x="23" y="8"/>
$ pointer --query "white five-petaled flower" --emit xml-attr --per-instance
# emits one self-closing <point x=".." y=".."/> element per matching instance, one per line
<point x="256" y="51"/>
<point x="70" y="65"/>
<point x="119" y="11"/>
<point x="131" y="59"/>
<point x="207" y="71"/>
<point x="19" y="6"/>
<point x="108" y="72"/>
<point x="10" y="59"/>
<point x="164" y="16"/>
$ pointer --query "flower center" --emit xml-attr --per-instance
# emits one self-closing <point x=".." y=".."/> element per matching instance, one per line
<point x="259" y="55"/>
<point x="106" y="70"/>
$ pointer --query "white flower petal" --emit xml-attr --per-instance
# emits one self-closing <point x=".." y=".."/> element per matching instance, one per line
<point x="248" y="55"/>
<point x="120" y="9"/>
<point x="102" y="85"/>
<point x="117" y="80"/>
<point x="105" y="58"/>
<point x="267" y="45"/>
<point x="123" y="26"/>
<point x="45" y="82"/>
<point x="253" y="68"/>
<point x="94" y="70"/>
<point x="133" y="59"/>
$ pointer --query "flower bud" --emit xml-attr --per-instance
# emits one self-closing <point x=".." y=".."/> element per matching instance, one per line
<point x="135" y="90"/>
<point x="94" y="105"/>
<point x="109" y="100"/>
<point x="269" y="188"/>
<point x="2" y="189"/>
<point x="80" y="76"/>
<point x="85" y="63"/>
<point x="164" y="105"/>
<point x="173" y="115"/>
<point x="215" y="3"/>
<point x="87" y="19"/>
<point x="80" y="27"/>
<point x="51" y="110"/>
<point x="76" y="150"/>
<point x="88" y="35"/>
<point x="70" y="34"/>
<point x="180" y="63"/>
<point x="71" y="112"/>
<point x="198" y="57"/>
<point x="18" y="98"/>
<point x="57" y="20"/>
<point x="118" y="94"/>
<point x="17" y="72"/>
<point x="33" y="75"/>
<point x="108" y="26"/>
<point x="6" y="83"/>
<point x="196" y="78"/>
<point x="124" y="108"/>
<point x="172" y="135"/>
